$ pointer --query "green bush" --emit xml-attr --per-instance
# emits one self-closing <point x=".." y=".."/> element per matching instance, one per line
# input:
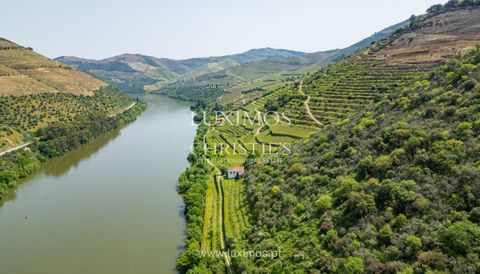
<point x="354" y="265"/>
<point x="460" y="237"/>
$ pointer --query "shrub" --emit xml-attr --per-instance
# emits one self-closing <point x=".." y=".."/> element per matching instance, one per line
<point x="460" y="237"/>
<point x="474" y="215"/>
<point x="359" y="204"/>
<point x="354" y="265"/>
<point x="465" y="129"/>
<point x="324" y="202"/>
<point x="8" y="176"/>
<point x="297" y="168"/>
<point x="414" y="242"/>
<point x="275" y="189"/>
<point x="433" y="259"/>
<point x="382" y="163"/>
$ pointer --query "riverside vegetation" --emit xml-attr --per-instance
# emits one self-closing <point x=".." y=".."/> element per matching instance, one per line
<point x="383" y="172"/>
<point x="48" y="109"/>
<point x="56" y="124"/>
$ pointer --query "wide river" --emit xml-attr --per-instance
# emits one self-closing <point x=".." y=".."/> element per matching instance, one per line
<point x="109" y="207"/>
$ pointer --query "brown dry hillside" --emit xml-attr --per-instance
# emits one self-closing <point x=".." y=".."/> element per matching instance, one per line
<point x="23" y="71"/>
<point x="435" y="38"/>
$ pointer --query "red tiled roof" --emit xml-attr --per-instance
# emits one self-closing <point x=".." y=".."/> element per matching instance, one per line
<point x="237" y="169"/>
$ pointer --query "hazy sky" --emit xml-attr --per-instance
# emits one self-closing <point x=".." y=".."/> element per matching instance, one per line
<point x="193" y="28"/>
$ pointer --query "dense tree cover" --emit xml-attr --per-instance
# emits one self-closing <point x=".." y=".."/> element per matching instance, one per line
<point x="394" y="189"/>
<point x="56" y="139"/>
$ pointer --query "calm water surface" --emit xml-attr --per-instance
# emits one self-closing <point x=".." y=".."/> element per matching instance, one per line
<point x="109" y="207"/>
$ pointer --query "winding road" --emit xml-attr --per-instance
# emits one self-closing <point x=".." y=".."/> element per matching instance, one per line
<point x="123" y="110"/>
<point x="300" y="89"/>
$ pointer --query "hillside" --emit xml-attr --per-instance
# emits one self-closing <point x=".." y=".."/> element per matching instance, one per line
<point x="395" y="188"/>
<point x="36" y="92"/>
<point x="48" y="108"/>
<point x="372" y="175"/>
<point x="23" y="71"/>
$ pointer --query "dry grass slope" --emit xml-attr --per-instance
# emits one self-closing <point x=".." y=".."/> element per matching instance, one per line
<point x="435" y="39"/>
<point x="23" y="72"/>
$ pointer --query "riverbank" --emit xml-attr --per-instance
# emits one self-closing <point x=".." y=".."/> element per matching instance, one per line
<point x="56" y="140"/>
<point x="109" y="206"/>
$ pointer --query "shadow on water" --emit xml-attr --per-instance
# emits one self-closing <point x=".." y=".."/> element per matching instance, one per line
<point x="58" y="166"/>
<point x="109" y="207"/>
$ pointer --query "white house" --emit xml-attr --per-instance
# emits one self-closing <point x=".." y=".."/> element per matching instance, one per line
<point x="235" y="172"/>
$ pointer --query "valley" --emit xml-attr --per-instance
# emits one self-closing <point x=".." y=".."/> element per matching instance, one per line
<point x="111" y="202"/>
<point x="364" y="159"/>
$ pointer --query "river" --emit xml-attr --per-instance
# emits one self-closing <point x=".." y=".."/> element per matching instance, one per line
<point x="109" y="207"/>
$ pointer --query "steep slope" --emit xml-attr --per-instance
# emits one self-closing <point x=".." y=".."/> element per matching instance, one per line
<point x="48" y="108"/>
<point x="433" y="37"/>
<point x="394" y="190"/>
<point x="22" y="71"/>
<point x="267" y="74"/>
<point x="386" y="185"/>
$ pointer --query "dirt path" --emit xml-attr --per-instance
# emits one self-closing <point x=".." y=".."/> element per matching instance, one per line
<point x="300" y="89"/>
<point x="123" y="110"/>
<point x="14" y="148"/>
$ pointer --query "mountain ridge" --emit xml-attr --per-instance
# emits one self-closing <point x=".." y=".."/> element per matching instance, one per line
<point x="162" y="74"/>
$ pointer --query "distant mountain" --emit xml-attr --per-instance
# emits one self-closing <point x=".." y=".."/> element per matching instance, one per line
<point x="23" y="71"/>
<point x="265" y="53"/>
<point x="139" y="73"/>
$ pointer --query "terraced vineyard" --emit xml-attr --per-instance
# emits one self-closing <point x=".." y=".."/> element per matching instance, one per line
<point x="330" y="96"/>
<point x="235" y="210"/>
<point x="341" y="89"/>
<point x="211" y="228"/>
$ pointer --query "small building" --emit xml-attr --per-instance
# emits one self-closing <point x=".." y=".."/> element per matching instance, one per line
<point x="235" y="172"/>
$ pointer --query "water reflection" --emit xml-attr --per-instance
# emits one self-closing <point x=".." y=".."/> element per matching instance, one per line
<point x="60" y="165"/>
<point x="109" y="207"/>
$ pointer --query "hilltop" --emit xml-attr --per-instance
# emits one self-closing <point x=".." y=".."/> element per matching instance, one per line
<point x="23" y="71"/>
